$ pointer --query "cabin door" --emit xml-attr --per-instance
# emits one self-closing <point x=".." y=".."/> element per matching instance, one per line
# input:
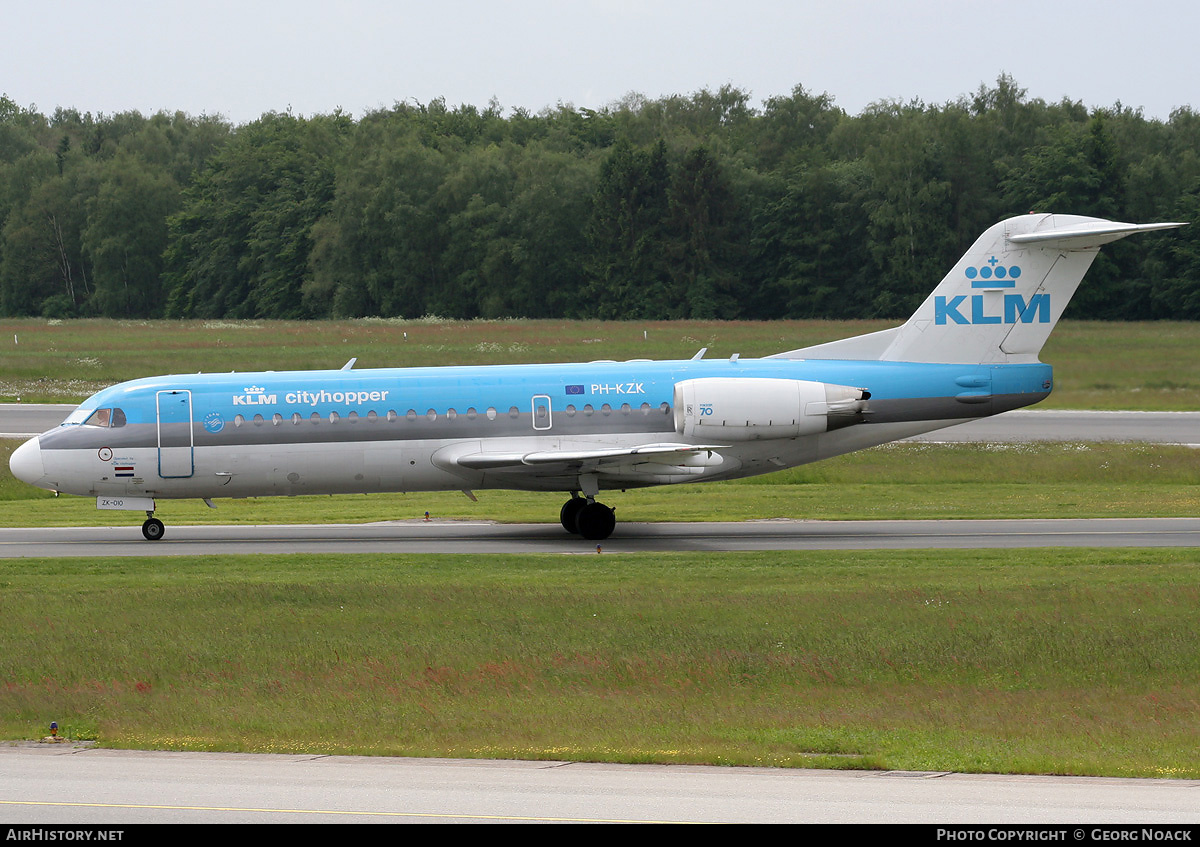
<point x="175" y="444"/>
<point x="541" y="412"/>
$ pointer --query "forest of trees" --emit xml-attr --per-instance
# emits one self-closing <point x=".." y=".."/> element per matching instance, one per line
<point x="697" y="206"/>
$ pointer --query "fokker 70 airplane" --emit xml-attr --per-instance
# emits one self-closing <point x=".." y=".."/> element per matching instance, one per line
<point x="969" y="351"/>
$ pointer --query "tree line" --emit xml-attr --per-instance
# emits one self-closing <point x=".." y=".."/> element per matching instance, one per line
<point x="687" y="206"/>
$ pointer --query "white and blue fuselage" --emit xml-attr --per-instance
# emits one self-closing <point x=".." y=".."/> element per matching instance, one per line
<point x="422" y="429"/>
<point x="969" y="351"/>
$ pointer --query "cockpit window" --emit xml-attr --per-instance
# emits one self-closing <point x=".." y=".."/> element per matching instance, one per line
<point x="100" y="417"/>
<point x="106" y="418"/>
<point x="77" y="417"/>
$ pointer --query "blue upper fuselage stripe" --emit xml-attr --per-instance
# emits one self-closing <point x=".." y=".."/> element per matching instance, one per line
<point x="504" y="386"/>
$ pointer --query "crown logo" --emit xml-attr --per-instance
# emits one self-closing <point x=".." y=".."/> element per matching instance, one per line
<point x="992" y="274"/>
<point x="254" y="389"/>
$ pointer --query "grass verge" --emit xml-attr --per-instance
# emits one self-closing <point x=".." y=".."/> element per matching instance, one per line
<point x="1038" y="661"/>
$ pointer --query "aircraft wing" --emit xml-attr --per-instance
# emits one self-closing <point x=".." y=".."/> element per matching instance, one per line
<point x="666" y="453"/>
<point x="638" y="462"/>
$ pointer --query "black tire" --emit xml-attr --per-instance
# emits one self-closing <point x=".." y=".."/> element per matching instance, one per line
<point x="596" y="521"/>
<point x="153" y="529"/>
<point x="569" y="513"/>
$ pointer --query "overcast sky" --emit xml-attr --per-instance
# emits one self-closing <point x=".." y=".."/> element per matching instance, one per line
<point x="240" y="58"/>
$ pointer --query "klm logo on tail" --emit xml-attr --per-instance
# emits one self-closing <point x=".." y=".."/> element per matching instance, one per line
<point x="1012" y="309"/>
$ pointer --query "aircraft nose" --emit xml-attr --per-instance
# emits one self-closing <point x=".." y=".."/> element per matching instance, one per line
<point x="26" y="462"/>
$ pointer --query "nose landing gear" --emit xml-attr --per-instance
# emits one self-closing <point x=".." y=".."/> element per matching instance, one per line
<point x="153" y="528"/>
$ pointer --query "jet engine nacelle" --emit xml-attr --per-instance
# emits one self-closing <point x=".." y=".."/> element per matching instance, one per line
<point x="733" y="409"/>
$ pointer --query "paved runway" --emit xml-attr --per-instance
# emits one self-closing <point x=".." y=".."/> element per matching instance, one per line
<point x="58" y="784"/>
<point x="24" y="420"/>
<point x="483" y="538"/>
<point x="1062" y="425"/>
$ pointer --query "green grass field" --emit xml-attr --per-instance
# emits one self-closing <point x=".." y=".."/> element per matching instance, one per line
<point x="1050" y="661"/>
<point x="1029" y="661"/>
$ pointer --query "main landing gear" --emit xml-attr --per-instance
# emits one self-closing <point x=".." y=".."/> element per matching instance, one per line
<point x="587" y="518"/>
<point x="153" y="528"/>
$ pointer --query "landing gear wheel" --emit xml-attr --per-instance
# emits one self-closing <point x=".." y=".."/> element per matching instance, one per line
<point x="596" y="521"/>
<point x="153" y="529"/>
<point x="570" y="513"/>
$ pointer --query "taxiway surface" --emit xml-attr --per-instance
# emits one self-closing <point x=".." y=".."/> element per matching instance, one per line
<point x="44" y="784"/>
<point x="485" y="538"/>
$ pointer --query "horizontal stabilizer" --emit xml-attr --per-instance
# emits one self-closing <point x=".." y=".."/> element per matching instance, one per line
<point x="1085" y="236"/>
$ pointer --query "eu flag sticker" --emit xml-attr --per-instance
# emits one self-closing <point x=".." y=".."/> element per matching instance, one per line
<point x="574" y="389"/>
